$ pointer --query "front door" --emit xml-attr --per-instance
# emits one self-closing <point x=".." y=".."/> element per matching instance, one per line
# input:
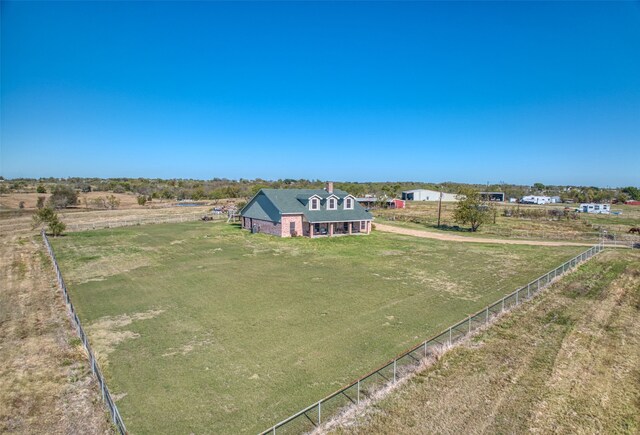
<point x="292" y="228"/>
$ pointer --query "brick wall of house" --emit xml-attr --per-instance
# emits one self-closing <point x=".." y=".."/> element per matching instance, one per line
<point x="264" y="226"/>
<point x="286" y="222"/>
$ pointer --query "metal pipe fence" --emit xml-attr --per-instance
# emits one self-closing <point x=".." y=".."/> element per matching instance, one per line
<point x="75" y="322"/>
<point x="311" y="417"/>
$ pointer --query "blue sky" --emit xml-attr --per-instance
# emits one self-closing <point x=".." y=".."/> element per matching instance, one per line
<point x="471" y="92"/>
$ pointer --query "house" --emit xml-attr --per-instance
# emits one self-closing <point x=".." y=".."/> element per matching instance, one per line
<point x="305" y="212"/>
<point x="533" y="199"/>
<point x="594" y="208"/>
<point x="427" y="195"/>
<point x="555" y="200"/>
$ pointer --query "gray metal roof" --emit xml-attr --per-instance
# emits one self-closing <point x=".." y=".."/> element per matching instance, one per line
<point x="271" y="204"/>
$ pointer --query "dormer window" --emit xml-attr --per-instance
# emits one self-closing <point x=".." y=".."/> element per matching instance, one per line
<point x="314" y="204"/>
<point x="332" y="204"/>
<point x="348" y="203"/>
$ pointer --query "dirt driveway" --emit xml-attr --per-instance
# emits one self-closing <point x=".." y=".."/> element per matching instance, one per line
<point x="464" y="239"/>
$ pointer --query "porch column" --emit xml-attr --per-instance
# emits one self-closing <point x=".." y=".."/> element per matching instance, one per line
<point x="330" y="229"/>
<point x="350" y="225"/>
<point x="310" y="229"/>
<point x="368" y="227"/>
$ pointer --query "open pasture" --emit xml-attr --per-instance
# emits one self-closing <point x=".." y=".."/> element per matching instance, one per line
<point x="586" y="227"/>
<point x="205" y="328"/>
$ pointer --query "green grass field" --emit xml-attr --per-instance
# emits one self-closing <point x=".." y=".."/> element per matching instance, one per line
<point x="206" y="328"/>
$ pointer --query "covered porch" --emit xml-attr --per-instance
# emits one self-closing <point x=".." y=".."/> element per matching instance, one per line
<point x="330" y="229"/>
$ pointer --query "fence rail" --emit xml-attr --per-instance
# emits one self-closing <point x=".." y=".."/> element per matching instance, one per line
<point x="75" y="321"/>
<point x="313" y="415"/>
<point x="187" y="217"/>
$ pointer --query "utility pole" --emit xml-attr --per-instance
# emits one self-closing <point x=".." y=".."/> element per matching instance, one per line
<point x="439" y="209"/>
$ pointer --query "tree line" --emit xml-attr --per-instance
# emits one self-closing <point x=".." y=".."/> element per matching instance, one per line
<point x="219" y="188"/>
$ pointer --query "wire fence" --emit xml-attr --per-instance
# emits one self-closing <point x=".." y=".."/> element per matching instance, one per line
<point x="311" y="417"/>
<point x="75" y="321"/>
<point x="187" y="217"/>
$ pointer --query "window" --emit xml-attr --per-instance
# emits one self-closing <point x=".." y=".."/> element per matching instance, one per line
<point x="292" y="227"/>
<point x="348" y="203"/>
<point x="363" y="225"/>
<point x="314" y="205"/>
<point x="332" y="204"/>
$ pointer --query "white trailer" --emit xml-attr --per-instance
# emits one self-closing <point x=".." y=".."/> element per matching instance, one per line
<point x="533" y="199"/>
<point x="595" y="208"/>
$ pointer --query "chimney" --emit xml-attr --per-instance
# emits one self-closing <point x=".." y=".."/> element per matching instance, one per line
<point x="329" y="187"/>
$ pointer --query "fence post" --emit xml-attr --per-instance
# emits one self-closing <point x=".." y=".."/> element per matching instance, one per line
<point x="425" y="349"/>
<point x="319" y="412"/>
<point x="517" y="293"/>
<point x="486" y="318"/>
<point x="449" y="336"/>
<point x="358" y="393"/>
<point x="394" y="371"/>
<point x="469" y="320"/>
<point x="503" y="305"/>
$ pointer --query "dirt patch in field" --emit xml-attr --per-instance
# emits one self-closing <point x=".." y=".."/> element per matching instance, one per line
<point x="107" y="332"/>
<point x="101" y="268"/>
<point x="189" y="347"/>
<point x="441" y="281"/>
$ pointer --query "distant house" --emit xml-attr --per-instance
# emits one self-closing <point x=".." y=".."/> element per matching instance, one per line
<point x="533" y="199"/>
<point x="556" y="200"/>
<point x="594" y="208"/>
<point x="305" y="212"/>
<point x="427" y="195"/>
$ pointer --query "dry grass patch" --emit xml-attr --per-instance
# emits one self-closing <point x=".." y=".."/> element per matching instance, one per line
<point x="46" y="386"/>
<point x="107" y="332"/>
